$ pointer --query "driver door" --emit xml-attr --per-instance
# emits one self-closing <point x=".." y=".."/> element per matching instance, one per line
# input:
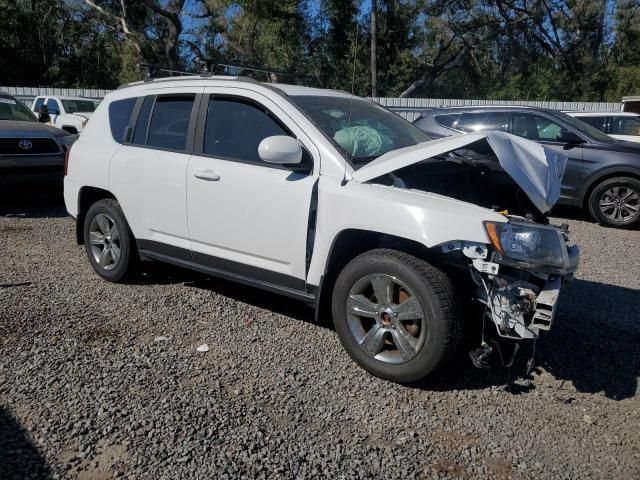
<point x="247" y="217"/>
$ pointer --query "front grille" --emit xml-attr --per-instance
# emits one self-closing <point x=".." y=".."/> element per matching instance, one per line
<point x="39" y="146"/>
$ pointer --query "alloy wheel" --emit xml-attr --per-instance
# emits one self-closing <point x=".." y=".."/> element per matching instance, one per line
<point x="104" y="240"/>
<point x="386" y="318"/>
<point x="620" y="204"/>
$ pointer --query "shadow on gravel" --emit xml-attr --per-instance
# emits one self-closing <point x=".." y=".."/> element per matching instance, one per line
<point x="19" y="458"/>
<point x="32" y="199"/>
<point x="259" y="298"/>
<point x="594" y="343"/>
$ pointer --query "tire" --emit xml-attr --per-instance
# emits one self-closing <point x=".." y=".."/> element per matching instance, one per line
<point x="378" y="342"/>
<point x="108" y="241"/>
<point x="615" y="202"/>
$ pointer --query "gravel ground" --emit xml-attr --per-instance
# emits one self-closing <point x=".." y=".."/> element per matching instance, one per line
<point x="88" y="391"/>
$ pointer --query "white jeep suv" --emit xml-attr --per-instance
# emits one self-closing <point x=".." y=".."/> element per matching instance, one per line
<point x="330" y="199"/>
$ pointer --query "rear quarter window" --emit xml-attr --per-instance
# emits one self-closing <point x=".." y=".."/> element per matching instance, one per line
<point x="119" y="115"/>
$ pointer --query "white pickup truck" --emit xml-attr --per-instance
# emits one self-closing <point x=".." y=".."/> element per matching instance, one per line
<point x="68" y="113"/>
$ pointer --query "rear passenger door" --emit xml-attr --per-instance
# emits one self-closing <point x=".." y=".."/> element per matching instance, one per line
<point x="247" y="217"/>
<point x="147" y="174"/>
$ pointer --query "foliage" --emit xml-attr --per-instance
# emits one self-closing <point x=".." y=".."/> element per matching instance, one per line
<point x="510" y="49"/>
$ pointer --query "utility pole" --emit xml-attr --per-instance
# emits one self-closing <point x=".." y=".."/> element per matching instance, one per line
<point x="374" y="47"/>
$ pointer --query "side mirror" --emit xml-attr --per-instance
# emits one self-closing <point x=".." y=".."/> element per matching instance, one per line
<point x="565" y="136"/>
<point x="281" y="150"/>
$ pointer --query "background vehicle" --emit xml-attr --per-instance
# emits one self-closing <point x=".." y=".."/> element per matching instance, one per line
<point x="28" y="148"/>
<point x="312" y="194"/>
<point x="68" y="113"/>
<point x="602" y="174"/>
<point x="619" y="125"/>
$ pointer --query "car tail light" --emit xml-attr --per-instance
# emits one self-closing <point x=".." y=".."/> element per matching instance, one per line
<point x="66" y="160"/>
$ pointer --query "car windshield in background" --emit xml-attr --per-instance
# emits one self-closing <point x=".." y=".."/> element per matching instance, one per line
<point x="73" y="106"/>
<point x="370" y="132"/>
<point x="585" y="128"/>
<point x="15" y="110"/>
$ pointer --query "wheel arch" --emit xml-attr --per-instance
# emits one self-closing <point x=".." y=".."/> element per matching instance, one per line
<point x="87" y="197"/>
<point x="350" y="243"/>
<point x="601" y="177"/>
<point x="70" y="128"/>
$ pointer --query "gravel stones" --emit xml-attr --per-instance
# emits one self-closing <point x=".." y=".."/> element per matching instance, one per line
<point x="88" y="391"/>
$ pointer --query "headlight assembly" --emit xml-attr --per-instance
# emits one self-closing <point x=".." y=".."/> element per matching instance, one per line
<point x="530" y="245"/>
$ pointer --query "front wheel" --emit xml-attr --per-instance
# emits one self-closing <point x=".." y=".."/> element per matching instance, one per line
<point x="395" y="315"/>
<point x="616" y="202"/>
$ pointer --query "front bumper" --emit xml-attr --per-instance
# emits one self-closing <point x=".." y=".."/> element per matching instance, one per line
<point x="522" y="302"/>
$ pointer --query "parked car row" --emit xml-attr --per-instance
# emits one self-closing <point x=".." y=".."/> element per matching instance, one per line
<point x="602" y="174"/>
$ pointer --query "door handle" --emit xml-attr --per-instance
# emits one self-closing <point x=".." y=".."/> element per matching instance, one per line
<point x="206" y="175"/>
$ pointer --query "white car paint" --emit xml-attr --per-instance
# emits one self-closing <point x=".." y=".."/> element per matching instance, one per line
<point x="258" y="216"/>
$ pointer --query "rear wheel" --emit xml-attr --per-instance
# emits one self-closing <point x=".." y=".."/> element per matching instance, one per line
<point x="109" y="242"/>
<point x="395" y="315"/>
<point x="616" y="202"/>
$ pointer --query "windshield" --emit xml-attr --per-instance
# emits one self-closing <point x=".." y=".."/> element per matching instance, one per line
<point x="73" y="106"/>
<point x="13" y="109"/>
<point x="372" y="131"/>
<point x="585" y="128"/>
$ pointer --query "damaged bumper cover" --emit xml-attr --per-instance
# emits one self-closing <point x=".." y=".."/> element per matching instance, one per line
<point x="519" y="276"/>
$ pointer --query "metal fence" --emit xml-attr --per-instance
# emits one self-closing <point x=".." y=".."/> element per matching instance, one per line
<point x="27" y="94"/>
<point x="408" y="108"/>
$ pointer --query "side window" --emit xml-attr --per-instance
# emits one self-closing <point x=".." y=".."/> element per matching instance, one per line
<point x="446" y="120"/>
<point x="597" y="122"/>
<point x="142" y="123"/>
<point x="170" y="122"/>
<point x="38" y="104"/>
<point x="234" y="129"/>
<point x="535" y="127"/>
<point x="470" y="122"/>
<point x="625" y="126"/>
<point x="475" y="122"/>
<point x="119" y="114"/>
<point x="53" y="106"/>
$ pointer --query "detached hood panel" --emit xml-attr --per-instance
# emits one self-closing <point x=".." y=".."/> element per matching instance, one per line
<point x="536" y="168"/>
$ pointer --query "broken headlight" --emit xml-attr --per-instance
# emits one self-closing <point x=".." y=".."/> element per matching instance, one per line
<point x="530" y="245"/>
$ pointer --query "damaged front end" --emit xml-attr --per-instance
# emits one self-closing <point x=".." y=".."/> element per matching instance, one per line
<point x="518" y="270"/>
<point x="518" y="277"/>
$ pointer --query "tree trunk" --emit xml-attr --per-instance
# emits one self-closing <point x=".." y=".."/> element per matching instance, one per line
<point x="374" y="48"/>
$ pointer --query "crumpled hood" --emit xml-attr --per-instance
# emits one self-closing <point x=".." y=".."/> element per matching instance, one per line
<point x="536" y="168"/>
